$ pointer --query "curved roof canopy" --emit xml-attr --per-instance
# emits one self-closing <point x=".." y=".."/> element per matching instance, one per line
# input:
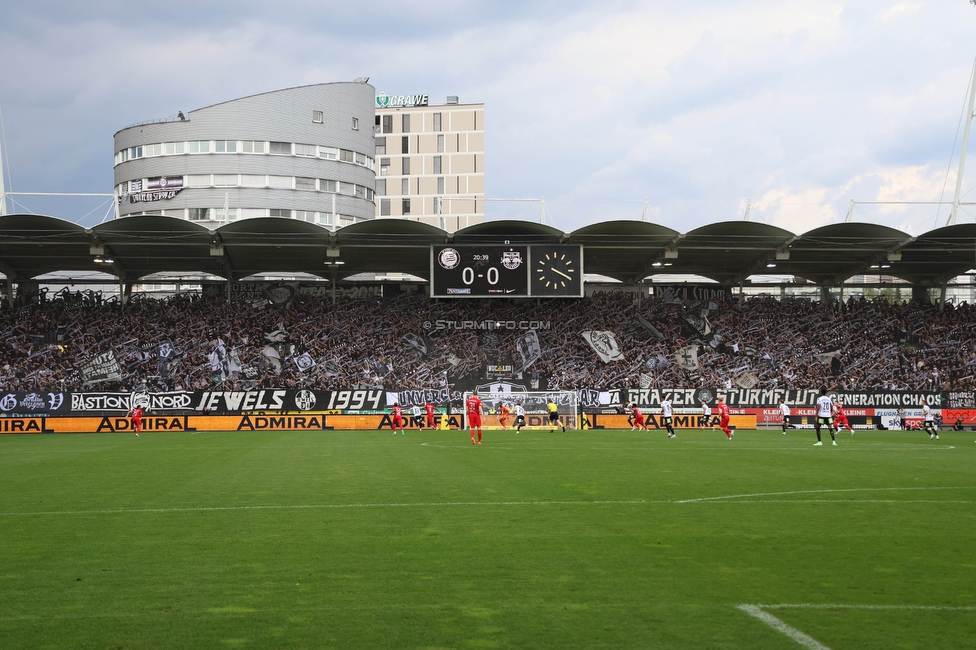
<point x="135" y="247"/>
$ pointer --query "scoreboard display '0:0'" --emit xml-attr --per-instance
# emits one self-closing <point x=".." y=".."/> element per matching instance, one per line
<point x="479" y="271"/>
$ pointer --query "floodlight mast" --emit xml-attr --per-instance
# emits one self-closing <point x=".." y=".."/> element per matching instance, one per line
<point x="965" y="145"/>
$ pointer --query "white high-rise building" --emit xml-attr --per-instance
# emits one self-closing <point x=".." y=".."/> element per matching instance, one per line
<point x="430" y="160"/>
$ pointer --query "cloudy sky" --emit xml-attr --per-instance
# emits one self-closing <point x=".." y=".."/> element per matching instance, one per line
<point x="696" y="107"/>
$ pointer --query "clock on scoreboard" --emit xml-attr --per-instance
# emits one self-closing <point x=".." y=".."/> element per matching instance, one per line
<point x="505" y="271"/>
<point x="556" y="271"/>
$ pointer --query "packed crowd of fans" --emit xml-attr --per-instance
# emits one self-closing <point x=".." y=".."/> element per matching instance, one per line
<point x="410" y="341"/>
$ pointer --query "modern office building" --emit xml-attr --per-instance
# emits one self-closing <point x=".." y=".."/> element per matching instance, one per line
<point x="301" y="153"/>
<point x="430" y="160"/>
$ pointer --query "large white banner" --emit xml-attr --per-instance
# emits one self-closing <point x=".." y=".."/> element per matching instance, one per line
<point x="604" y="343"/>
<point x="529" y="348"/>
<point x="103" y="367"/>
<point x="686" y="358"/>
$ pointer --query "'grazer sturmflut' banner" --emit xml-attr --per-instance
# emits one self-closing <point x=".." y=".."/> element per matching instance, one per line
<point x="769" y="397"/>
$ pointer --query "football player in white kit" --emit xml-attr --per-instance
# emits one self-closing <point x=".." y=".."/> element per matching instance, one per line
<point x="928" y="422"/>
<point x="667" y="413"/>
<point x="519" y="417"/>
<point x="706" y="416"/>
<point x="785" y="410"/>
<point x="416" y="413"/>
<point x="825" y="410"/>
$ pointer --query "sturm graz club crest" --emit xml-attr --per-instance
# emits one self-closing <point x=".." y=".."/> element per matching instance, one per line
<point x="305" y="400"/>
<point x="706" y="395"/>
<point x="448" y="258"/>
<point x="511" y="260"/>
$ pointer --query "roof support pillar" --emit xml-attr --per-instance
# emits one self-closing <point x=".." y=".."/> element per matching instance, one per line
<point x="920" y="294"/>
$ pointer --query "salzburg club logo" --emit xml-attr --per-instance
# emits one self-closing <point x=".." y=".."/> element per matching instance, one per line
<point x="382" y="100"/>
<point x="448" y="258"/>
<point x="511" y="260"/>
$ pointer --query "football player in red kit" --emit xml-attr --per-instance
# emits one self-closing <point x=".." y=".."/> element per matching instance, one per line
<point x="473" y="407"/>
<point x="136" y="415"/>
<point x="724" y="416"/>
<point x="397" y="419"/>
<point x="429" y="408"/>
<point x="638" y="418"/>
<point x="840" y="418"/>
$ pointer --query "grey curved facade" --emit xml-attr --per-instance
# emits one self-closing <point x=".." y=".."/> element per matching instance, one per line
<point x="304" y="153"/>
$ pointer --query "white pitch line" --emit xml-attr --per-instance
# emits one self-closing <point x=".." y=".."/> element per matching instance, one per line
<point x="327" y="506"/>
<point x="825" y="491"/>
<point x="938" y="608"/>
<point x="805" y="640"/>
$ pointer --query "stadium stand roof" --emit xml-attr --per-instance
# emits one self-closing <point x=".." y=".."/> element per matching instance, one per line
<point x="629" y="251"/>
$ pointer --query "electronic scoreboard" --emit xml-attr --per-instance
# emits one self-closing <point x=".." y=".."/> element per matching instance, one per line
<point x="491" y="271"/>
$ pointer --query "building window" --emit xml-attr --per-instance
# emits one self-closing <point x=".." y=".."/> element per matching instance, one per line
<point x="380" y="146"/>
<point x="440" y="185"/>
<point x="437" y="205"/>
<point x="437" y="165"/>
<point x="381" y="187"/>
<point x="345" y="155"/>
<point x="384" y="166"/>
<point x="360" y="192"/>
<point x="225" y="146"/>
<point x="305" y="215"/>
<point x="406" y="206"/>
<point x="308" y="150"/>
<point x="349" y="189"/>
<point x="355" y="124"/>
<point x="153" y="150"/>
<point x="361" y="159"/>
<point x="384" y="207"/>
<point x="196" y="180"/>
<point x="253" y="180"/>
<point x="329" y="153"/>
<point x="173" y="148"/>
<point x="199" y="214"/>
<point x="275" y="212"/>
<point x="279" y="148"/>
<point x="440" y="143"/>
<point x="387" y="124"/>
<point x="405" y="123"/>
<point x="251" y="146"/>
<point x="225" y="180"/>
<point x="317" y="117"/>
<point x="199" y="146"/>
<point x="406" y="166"/>
<point x="304" y="183"/>
<point x="282" y="182"/>
<point x="327" y="186"/>
<point x="437" y="121"/>
<point x="405" y="186"/>
<point x="376" y="125"/>
<point x="405" y="144"/>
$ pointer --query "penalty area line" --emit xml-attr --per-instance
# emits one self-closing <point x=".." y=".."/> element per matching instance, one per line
<point x="805" y="640"/>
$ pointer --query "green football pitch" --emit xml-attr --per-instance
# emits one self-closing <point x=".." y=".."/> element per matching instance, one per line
<point x="584" y="539"/>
